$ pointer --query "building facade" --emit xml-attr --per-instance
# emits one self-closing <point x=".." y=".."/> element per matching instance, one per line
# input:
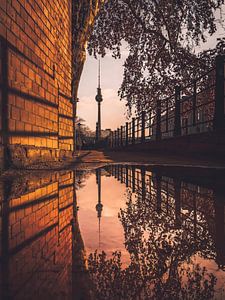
<point x="35" y="78"/>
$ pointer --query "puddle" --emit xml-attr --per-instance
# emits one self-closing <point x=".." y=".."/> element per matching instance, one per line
<point x="118" y="232"/>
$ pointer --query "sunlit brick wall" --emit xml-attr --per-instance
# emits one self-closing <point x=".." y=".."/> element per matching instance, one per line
<point x="38" y="36"/>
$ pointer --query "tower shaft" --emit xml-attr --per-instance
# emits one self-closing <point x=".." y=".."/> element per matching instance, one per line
<point x="99" y="120"/>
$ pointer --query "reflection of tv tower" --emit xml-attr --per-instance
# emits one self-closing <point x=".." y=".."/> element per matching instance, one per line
<point x="99" y="205"/>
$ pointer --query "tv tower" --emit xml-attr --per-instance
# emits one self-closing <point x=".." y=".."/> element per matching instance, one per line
<point x="99" y="99"/>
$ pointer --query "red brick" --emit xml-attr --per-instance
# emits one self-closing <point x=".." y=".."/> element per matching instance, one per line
<point x="31" y="26"/>
<point x="15" y="113"/>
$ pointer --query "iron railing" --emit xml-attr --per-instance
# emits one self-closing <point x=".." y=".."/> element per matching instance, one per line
<point x="196" y="108"/>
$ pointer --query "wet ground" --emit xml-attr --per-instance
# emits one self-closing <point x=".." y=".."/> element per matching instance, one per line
<point x="113" y="231"/>
<point x="158" y="159"/>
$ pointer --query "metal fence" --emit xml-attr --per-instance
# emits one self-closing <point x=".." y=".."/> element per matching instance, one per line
<point x="196" y="108"/>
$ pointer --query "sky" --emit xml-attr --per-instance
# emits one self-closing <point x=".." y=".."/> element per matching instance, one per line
<point x="113" y="110"/>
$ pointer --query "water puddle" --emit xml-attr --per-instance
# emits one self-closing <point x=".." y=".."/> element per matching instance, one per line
<point x="116" y="232"/>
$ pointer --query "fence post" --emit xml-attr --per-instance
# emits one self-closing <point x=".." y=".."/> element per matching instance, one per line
<point x="194" y="103"/>
<point x="112" y="145"/>
<point x="111" y="140"/>
<point x="158" y="193"/>
<point x="130" y="133"/>
<point x="118" y="137"/>
<point x="121" y="174"/>
<point x="133" y="130"/>
<point x="115" y="139"/>
<point x="121" y="136"/>
<point x="219" y="115"/>
<point x="143" y="126"/>
<point x="158" y="120"/>
<point x="133" y="178"/>
<point x="143" y="183"/>
<point x="177" y="118"/>
<point x="150" y="124"/>
<point x="127" y="179"/>
<point x="177" y="198"/>
<point x="127" y="133"/>
<point x="167" y="115"/>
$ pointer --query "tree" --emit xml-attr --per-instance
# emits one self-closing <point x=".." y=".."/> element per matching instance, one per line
<point x="161" y="35"/>
<point x="84" y="135"/>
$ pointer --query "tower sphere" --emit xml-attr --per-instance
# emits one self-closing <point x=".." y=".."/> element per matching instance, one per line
<point x="98" y="97"/>
<point x="99" y="208"/>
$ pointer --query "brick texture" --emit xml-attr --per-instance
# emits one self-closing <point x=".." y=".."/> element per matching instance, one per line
<point x="38" y="46"/>
<point x="38" y="237"/>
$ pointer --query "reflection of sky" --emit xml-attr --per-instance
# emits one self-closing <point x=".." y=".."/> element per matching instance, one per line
<point x="113" y="198"/>
<point x="113" y="195"/>
<point x="113" y="109"/>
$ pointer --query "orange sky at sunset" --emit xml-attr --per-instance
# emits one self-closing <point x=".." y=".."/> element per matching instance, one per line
<point x="114" y="110"/>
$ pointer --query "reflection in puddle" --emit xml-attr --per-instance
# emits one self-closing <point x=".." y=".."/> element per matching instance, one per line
<point x="99" y="204"/>
<point x="120" y="232"/>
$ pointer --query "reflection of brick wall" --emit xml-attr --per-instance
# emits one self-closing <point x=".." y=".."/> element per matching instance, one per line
<point x="1" y="108"/>
<point x="38" y="46"/>
<point x="39" y="239"/>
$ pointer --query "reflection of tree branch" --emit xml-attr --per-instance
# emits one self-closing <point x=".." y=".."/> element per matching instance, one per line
<point x="156" y="268"/>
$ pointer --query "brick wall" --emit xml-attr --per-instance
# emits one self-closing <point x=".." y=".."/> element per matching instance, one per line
<point x="36" y="235"/>
<point x="36" y="110"/>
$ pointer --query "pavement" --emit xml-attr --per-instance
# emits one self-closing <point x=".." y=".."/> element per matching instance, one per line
<point x="104" y="157"/>
<point x="92" y="159"/>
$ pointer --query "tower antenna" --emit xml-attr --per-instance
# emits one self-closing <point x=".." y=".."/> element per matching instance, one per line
<point x="99" y="233"/>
